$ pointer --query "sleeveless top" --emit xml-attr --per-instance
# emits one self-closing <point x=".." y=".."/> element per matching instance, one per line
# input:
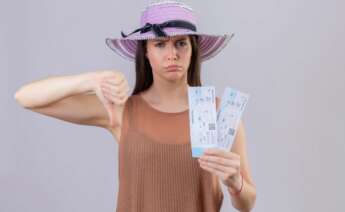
<point x="157" y="172"/>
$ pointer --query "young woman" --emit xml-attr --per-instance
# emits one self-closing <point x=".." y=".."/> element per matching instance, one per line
<point x="157" y="171"/>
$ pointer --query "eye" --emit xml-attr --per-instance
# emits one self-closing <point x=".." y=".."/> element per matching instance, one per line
<point x="181" y="43"/>
<point x="160" y="44"/>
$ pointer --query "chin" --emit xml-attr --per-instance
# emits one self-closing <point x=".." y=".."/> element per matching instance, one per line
<point x="174" y="77"/>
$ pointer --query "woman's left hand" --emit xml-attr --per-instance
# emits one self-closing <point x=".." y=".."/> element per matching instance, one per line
<point x="224" y="164"/>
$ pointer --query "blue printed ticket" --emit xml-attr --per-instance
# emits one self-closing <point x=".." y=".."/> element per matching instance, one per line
<point x="209" y="128"/>
<point x="232" y="105"/>
<point x="202" y="119"/>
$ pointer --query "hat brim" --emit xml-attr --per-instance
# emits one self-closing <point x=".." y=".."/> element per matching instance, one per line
<point x="210" y="45"/>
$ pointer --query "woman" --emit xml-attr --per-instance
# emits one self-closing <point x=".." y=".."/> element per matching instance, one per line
<point x="157" y="171"/>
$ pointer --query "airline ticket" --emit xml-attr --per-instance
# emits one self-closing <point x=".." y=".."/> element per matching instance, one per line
<point x="209" y="128"/>
<point x="202" y="118"/>
<point x="232" y="105"/>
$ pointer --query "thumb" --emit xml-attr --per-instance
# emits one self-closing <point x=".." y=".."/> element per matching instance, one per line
<point x="110" y="110"/>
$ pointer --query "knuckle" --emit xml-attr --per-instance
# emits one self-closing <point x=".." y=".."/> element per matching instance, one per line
<point x="107" y="73"/>
<point x="120" y="75"/>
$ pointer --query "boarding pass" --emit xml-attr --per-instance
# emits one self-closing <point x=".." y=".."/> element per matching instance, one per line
<point x="209" y="129"/>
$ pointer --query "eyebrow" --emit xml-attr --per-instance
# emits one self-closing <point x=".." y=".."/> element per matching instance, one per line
<point x="161" y="40"/>
<point x="181" y="39"/>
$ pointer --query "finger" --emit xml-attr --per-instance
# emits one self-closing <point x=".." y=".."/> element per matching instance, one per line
<point x="221" y="161"/>
<point x="116" y="100"/>
<point x="109" y="97"/>
<point x="110" y="111"/>
<point x="114" y="80"/>
<point x="110" y="88"/>
<point x="120" y="101"/>
<point x="216" y="172"/>
<point x="224" y="175"/>
<point x="115" y="88"/>
<point x="113" y="96"/>
<point x="221" y="152"/>
<point x="110" y="91"/>
<point x="120" y="94"/>
<point x="219" y="167"/>
<point x="120" y="84"/>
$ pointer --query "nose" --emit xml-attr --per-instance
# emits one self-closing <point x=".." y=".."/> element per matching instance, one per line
<point x="172" y="52"/>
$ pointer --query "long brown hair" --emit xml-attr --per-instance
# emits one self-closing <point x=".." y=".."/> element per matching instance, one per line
<point x="143" y="70"/>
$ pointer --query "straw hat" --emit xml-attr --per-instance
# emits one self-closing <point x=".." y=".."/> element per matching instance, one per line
<point x="168" y="18"/>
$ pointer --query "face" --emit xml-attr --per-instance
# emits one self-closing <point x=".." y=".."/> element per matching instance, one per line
<point x="169" y="57"/>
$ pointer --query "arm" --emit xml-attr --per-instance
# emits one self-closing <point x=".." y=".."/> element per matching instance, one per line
<point x="73" y="98"/>
<point x="245" y="200"/>
<point x="41" y="93"/>
<point x="228" y="166"/>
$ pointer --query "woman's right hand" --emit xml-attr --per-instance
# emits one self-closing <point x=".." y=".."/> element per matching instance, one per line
<point x="111" y="87"/>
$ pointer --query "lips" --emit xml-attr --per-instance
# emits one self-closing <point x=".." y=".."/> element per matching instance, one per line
<point x="173" y="67"/>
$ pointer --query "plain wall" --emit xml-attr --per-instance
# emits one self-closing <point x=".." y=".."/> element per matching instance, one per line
<point x="288" y="55"/>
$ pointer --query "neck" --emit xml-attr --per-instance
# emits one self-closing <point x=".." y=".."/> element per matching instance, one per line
<point x="164" y="92"/>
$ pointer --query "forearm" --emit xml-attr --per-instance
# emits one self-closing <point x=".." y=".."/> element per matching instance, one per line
<point x="45" y="91"/>
<point x="245" y="200"/>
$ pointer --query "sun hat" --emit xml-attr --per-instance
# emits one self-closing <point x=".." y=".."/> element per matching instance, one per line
<point x="167" y="18"/>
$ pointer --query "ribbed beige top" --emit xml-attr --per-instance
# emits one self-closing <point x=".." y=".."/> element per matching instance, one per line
<point x="156" y="170"/>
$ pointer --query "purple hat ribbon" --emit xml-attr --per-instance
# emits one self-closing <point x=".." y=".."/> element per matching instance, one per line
<point x="158" y="28"/>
